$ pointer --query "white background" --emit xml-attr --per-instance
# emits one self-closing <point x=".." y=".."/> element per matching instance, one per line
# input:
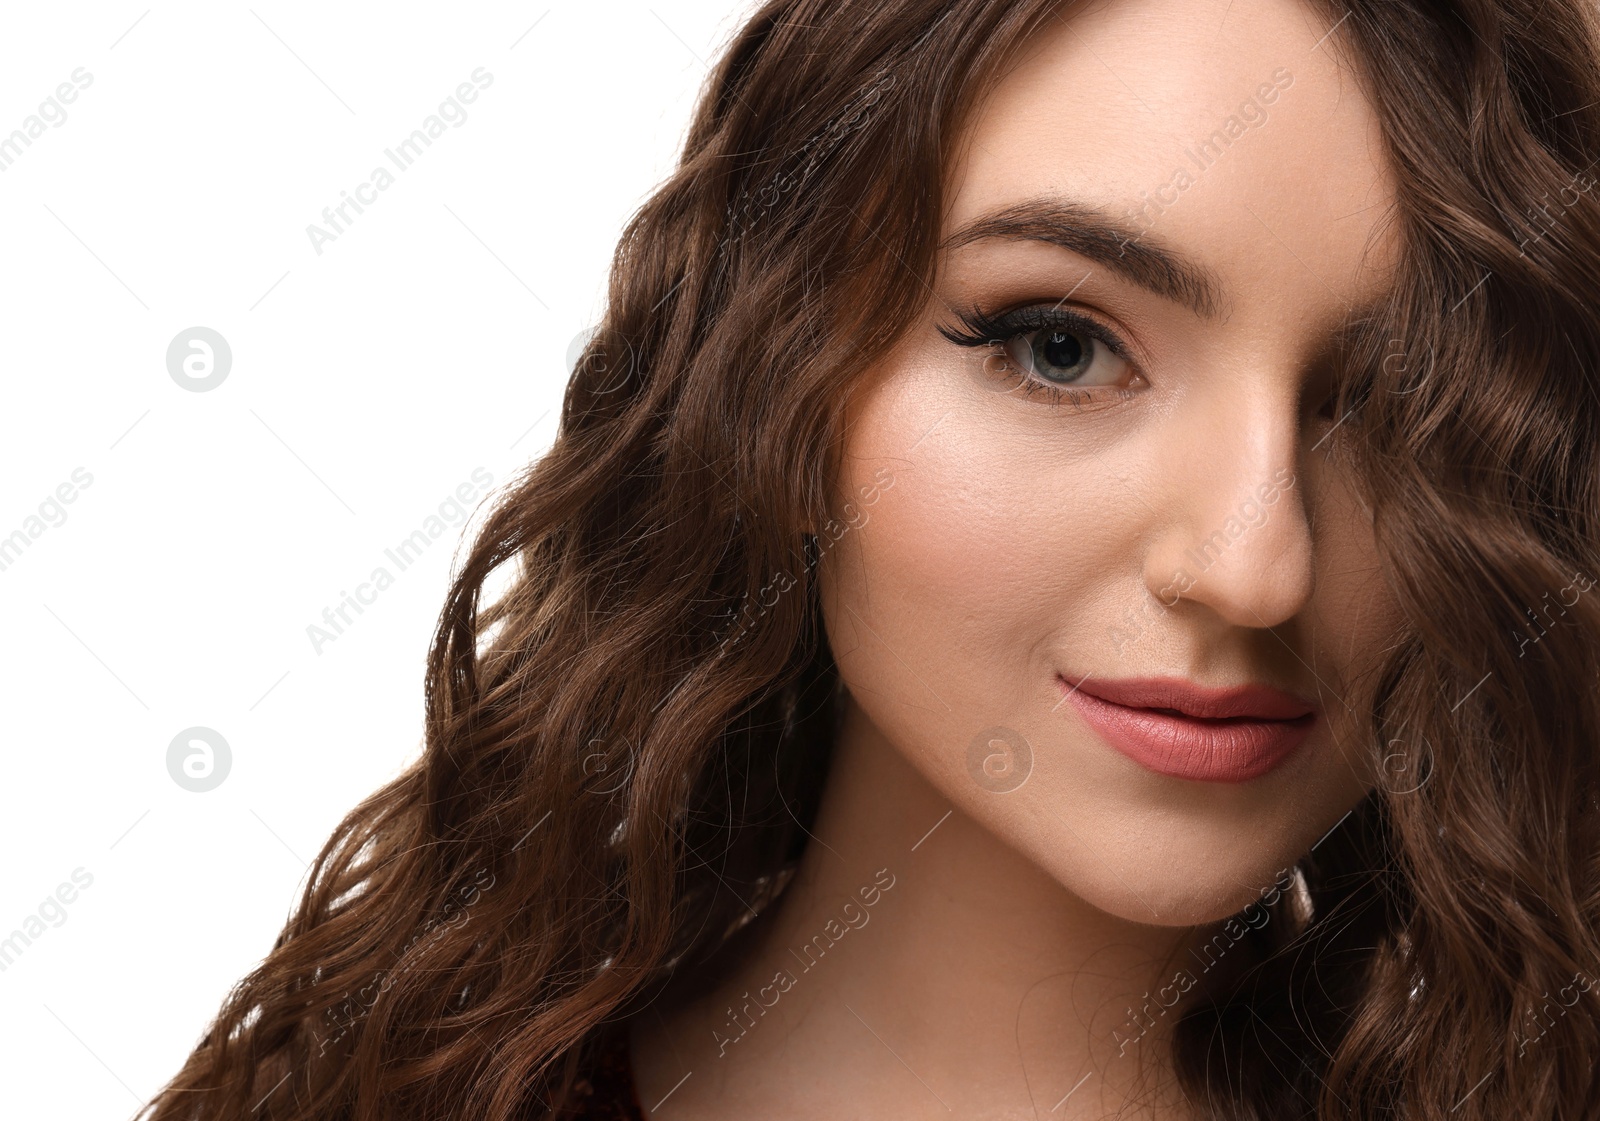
<point x="367" y="383"/>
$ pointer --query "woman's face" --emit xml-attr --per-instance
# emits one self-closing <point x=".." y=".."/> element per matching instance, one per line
<point x="1074" y="546"/>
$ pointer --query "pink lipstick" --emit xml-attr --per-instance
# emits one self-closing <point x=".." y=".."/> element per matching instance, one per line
<point x="1175" y="727"/>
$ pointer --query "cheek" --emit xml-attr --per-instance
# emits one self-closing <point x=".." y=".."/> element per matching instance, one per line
<point x="964" y="569"/>
<point x="950" y="608"/>
<point x="918" y="601"/>
<point x="936" y="548"/>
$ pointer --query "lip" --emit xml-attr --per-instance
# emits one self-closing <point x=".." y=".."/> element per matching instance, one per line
<point x="1204" y="733"/>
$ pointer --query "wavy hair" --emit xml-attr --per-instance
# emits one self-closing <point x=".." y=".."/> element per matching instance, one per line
<point x="626" y="744"/>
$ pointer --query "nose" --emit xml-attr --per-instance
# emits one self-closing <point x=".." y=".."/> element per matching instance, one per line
<point x="1235" y="537"/>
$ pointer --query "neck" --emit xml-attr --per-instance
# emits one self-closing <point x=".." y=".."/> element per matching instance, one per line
<point x="916" y="965"/>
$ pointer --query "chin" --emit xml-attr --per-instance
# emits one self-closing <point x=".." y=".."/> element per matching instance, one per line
<point x="1164" y="851"/>
<point x="1182" y="890"/>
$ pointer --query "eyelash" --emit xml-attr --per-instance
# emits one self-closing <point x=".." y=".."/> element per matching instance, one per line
<point x="991" y="330"/>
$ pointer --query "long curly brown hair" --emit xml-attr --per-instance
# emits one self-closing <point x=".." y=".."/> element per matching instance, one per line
<point x="625" y="746"/>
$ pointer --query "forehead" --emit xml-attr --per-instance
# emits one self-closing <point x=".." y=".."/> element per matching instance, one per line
<point x="1236" y="133"/>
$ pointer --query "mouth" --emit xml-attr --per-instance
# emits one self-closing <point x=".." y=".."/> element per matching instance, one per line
<point x="1177" y="728"/>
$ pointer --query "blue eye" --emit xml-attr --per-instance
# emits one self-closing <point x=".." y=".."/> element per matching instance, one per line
<point x="1068" y="357"/>
<point x="1063" y="351"/>
<point x="1049" y="349"/>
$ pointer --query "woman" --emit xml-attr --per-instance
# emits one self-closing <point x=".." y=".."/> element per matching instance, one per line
<point x="1063" y="588"/>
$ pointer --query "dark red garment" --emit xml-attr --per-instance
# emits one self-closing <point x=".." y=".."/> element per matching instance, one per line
<point x="607" y="1093"/>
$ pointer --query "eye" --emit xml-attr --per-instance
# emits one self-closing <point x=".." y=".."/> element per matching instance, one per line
<point x="1067" y="357"/>
<point x="1059" y="352"/>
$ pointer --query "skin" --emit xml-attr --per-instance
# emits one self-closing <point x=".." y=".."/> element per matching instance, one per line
<point x="1016" y="538"/>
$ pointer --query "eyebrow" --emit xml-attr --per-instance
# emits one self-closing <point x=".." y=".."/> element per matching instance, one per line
<point x="1089" y="232"/>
